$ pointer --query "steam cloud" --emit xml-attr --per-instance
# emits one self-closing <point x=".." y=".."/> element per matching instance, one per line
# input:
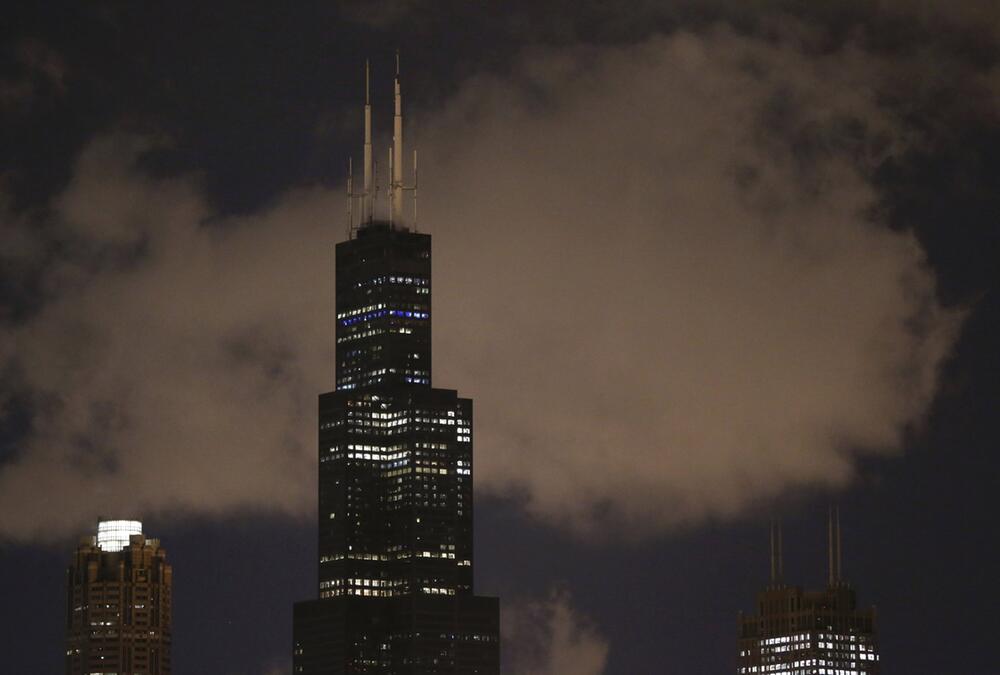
<point x="656" y="271"/>
<point x="688" y="308"/>
<point x="550" y="637"/>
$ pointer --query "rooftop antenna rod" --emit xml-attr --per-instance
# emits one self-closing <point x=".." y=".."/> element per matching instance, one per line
<point x="777" y="554"/>
<point x="774" y="560"/>
<point x="781" y="555"/>
<point x="350" y="197"/>
<point x="396" y="184"/>
<point x="396" y="156"/>
<point x="833" y="542"/>
<point x="840" y="569"/>
<point x="829" y="544"/>
<point x="367" y="208"/>
<point x="365" y="196"/>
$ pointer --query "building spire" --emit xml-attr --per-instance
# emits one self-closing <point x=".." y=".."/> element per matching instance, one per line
<point x="368" y="195"/>
<point x="781" y="555"/>
<point x="833" y="541"/>
<point x="840" y="549"/>
<point x="396" y="158"/>
<point x="367" y="202"/>
<point x="396" y="184"/>
<point x="777" y="555"/>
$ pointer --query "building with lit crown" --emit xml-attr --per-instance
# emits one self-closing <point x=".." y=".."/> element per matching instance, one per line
<point x="803" y="632"/>
<point x="118" y="603"/>
<point x="395" y="579"/>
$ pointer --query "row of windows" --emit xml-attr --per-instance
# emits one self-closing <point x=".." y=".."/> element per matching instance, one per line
<point x="382" y="313"/>
<point x="369" y="309"/>
<point x="396" y="553"/>
<point x="807" y="667"/>
<point x="393" y="279"/>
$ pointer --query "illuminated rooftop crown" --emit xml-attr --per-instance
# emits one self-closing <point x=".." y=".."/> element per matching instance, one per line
<point x="113" y="535"/>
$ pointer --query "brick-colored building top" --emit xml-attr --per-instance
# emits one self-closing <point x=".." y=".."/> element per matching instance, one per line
<point x="118" y="604"/>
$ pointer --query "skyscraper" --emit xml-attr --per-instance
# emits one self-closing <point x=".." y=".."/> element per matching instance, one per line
<point x="395" y="578"/>
<point x="118" y="603"/>
<point x="800" y="632"/>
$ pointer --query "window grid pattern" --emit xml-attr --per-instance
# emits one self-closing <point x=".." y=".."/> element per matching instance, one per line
<point x="798" y="632"/>
<point x="395" y="494"/>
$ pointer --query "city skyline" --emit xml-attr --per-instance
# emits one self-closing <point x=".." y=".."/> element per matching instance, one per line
<point x="699" y="264"/>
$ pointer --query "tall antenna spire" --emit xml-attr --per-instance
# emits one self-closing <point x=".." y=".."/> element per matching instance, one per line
<point x="829" y="544"/>
<point x="781" y="555"/>
<point x="774" y="560"/>
<point x="777" y="555"/>
<point x="396" y="182"/>
<point x="840" y="570"/>
<point x="367" y="203"/>
<point x="833" y="541"/>
<point x="350" y="197"/>
<point x="368" y="196"/>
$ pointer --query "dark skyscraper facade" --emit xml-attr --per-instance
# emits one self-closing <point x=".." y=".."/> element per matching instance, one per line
<point x="395" y="550"/>
<point x="800" y="632"/>
<point x="119" y="604"/>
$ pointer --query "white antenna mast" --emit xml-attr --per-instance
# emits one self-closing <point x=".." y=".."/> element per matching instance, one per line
<point x="396" y="185"/>
<point x="414" y="188"/>
<point x="365" y="196"/>
<point x="367" y="209"/>
<point x="373" y="198"/>
<point x="390" y="193"/>
<point x="350" y="197"/>
<point x="396" y="154"/>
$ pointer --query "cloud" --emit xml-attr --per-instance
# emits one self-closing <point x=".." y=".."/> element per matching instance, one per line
<point x="976" y="16"/>
<point x="658" y="270"/>
<point x="176" y="363"/>
<point x="565" y="21"/>
<point x="686" y="307"/>
<point x="550" y="637"/>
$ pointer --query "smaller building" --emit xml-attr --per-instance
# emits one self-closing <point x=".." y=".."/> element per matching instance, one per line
<point x="802" y="632"/>
<point x="118" y="603"/>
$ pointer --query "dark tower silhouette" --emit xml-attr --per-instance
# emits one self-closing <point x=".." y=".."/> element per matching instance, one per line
<point x="800" y="632"/>
<point x="395" y="470"/>
<point x="118" y="603"/>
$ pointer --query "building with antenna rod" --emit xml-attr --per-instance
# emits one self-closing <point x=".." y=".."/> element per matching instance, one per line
<point x="802" y="632"/>
<point x="395" y="554"/>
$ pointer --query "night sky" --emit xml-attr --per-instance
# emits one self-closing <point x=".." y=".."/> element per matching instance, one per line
<point x="700" y="264"/>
